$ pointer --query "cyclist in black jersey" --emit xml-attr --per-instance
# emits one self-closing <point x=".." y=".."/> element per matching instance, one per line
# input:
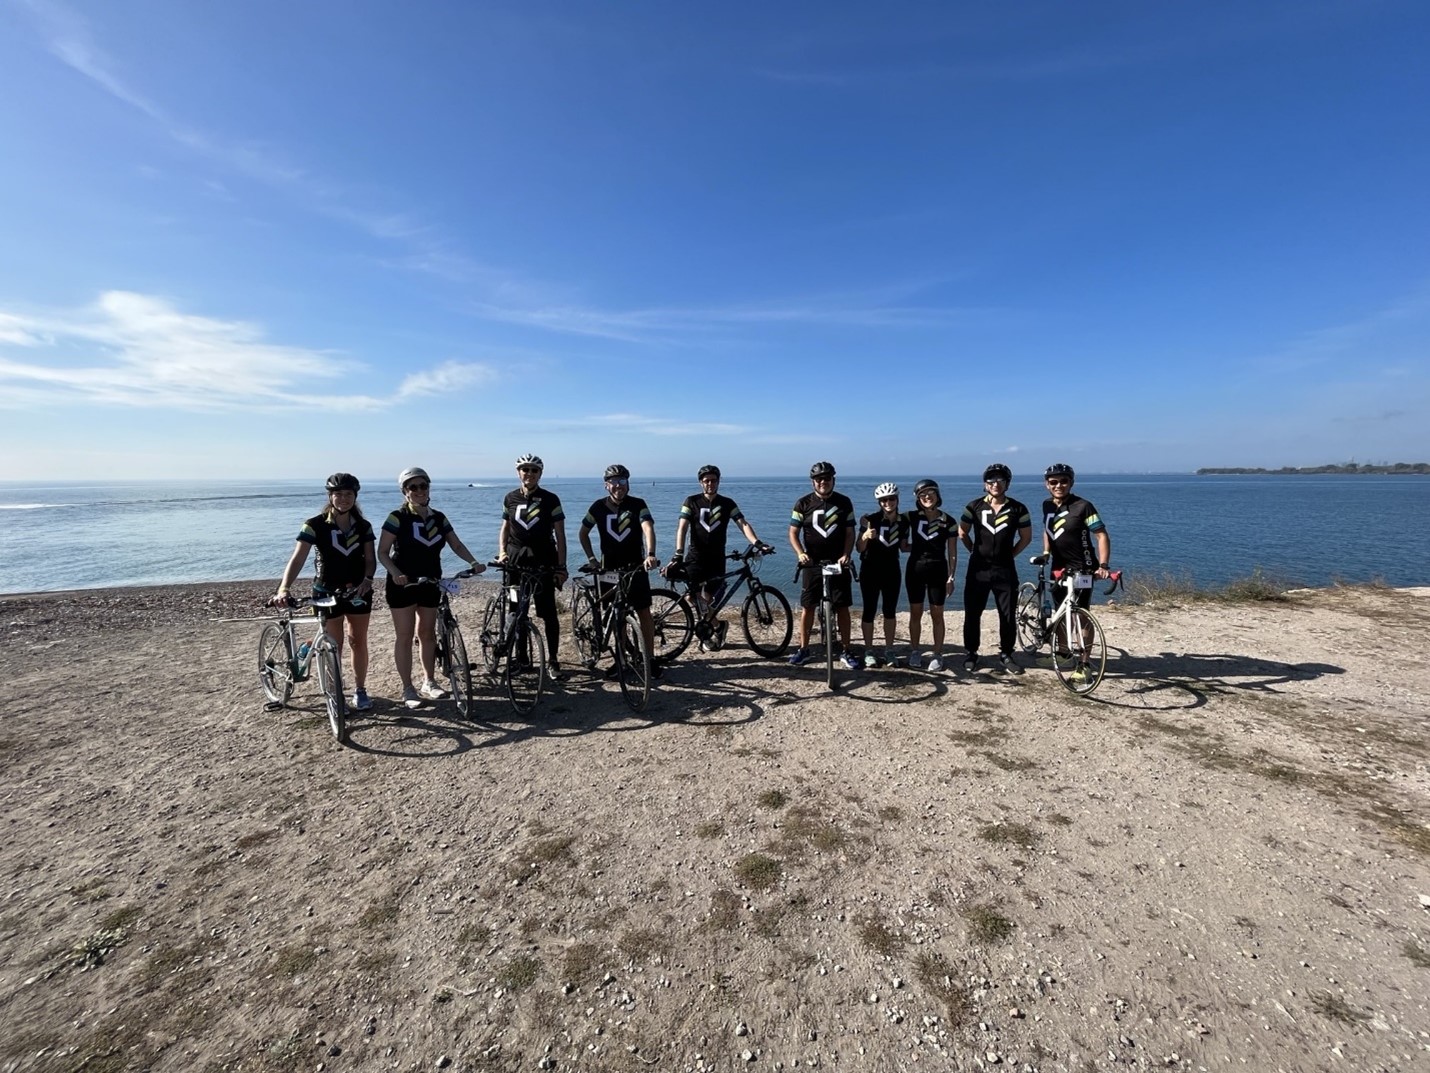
<point x="821" y="530"/>
<point x="343" y="540"/>
<point x="1073" y="533"/>
<point x="881" y="535"/>
<point x="627" y="540"/>
<point x="533" y="533"/>
<point x="411" y="547"/>
<point x="994" y="529"/>
<point x="928" y="577"/>
<point x="700" y="536"/>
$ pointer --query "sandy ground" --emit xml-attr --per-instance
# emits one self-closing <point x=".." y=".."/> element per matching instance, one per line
<point x="1221" y="861"/>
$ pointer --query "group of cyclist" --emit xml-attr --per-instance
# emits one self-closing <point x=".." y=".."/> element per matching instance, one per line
<point x="824" y="528"/>
<point x="994" y="528"/>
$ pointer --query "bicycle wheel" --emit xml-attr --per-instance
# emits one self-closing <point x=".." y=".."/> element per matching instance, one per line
<point x="489" y="639"/>
<point x="767" y="622"/>
<point x="275" y="663"/>
<point x="674" y="623"/>
<point x="585" y="625"/>
<point x="456" y="663"/>
<point x="1030" y="626"/>
<point x="633" y="664"/>
<point x="525" y="670"/>
<point x="1081" y="664"/>
<point x="826" y="614"/>
<point x="330" y="680"/>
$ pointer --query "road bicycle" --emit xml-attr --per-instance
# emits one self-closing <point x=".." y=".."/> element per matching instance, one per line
<point x="452" y="658"/>
<point x="826" y="618"/>
<point x="602" y="620"/>
<point x="513" y="650"/>
<point x="283" y="662"/>
<point x="764" y="615"/>
<point x="1071" y="633"/>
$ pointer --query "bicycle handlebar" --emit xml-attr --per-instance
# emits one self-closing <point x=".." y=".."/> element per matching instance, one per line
<point x="754" y="551"/>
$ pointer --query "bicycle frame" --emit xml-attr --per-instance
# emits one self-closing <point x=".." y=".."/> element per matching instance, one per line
<point x="826" y="617"/>
<point x="609" y="593"/>
<point x="1072" y="633"/>
<point x="283" y="662"/>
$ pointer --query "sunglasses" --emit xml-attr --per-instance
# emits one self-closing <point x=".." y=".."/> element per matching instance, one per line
<point x="618" y="484"/>
<point x="1058" y="481"/>
<point x="995" y="480"/>
<point x="528" y="469"/>
<point x="417" y="488"/>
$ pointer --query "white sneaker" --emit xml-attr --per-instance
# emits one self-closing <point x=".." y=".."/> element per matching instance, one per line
<point x="915" y="660"/>
<point x="410" y="697"/>
<point x="935" y="664"/>
<point x="432" y="691"/>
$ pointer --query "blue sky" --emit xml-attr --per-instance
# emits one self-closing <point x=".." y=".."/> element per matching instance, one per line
<point x="279" y="239"/>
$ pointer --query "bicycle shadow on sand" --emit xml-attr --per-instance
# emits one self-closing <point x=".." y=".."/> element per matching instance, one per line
<point x="1186" y="680"/>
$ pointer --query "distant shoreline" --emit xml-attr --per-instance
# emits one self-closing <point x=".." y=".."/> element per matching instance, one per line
<point x="1349" y="467"/>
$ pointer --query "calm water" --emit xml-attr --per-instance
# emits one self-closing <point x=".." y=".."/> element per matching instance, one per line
<point x="1309" y="530"/>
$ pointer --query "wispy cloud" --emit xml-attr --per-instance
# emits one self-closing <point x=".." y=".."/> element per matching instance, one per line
<point x="645" y="425"/>
<point x="137" y="350"/>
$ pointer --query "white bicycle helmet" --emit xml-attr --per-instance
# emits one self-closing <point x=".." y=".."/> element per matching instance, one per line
<point x="411" y="473"/>
<point x="885" y="490"/>
<point x="530" y="460"/>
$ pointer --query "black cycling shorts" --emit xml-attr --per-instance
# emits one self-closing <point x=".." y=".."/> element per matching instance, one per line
<point x="841" y="588"/>
<point x="926" y="581"/>
<point x="428" y="595"/>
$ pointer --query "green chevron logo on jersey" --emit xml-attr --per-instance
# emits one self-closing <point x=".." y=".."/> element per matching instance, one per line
<point x="1054" y="523"/>
<point x="426" y="532"/>
<point x="825" y="522"/>
<point x="528" y="514"/>
<point x="710" y="518"/>
<point x="995" y="524"/>
<point x="619" y="525"/>
<point x="345" y="544"/>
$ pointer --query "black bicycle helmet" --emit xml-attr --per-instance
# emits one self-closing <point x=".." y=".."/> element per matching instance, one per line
<point x="998" y="472"/>
<point x="617" y="472"/>
<point x="344" y="482"/>
<point x="708" y="471"/>
<point x="821" y="469"/>
<point x="927" y="485"/>
<point x="1059" y="469"/>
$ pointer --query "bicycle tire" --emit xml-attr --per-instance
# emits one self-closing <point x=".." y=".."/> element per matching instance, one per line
<point x="768" y="624"/>
<point x="330" y="680"/>
<point x="457" y="664"/>
<point x="1080" y="653"/>
<point x="1031" y="633"/>
<point x="826" y="613"/>
<point x="674" y="624"/>
<point x="275" y="663"/>
<point x="524" y="673"/>
<point x="633" y="664"/>
<point x="585" y="626"/>
<point x="489" y="639"/>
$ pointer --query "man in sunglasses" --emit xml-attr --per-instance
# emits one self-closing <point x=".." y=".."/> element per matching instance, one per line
<point x="533" y="533"/>
<point x="627" y="540"/>
<point x="1073" y="534"/>
<point x="994" y="529"/>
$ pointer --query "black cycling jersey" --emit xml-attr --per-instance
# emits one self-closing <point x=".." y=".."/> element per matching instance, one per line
<point x="709" y="521"/>
<point x="1069" y="529"/>
<point x="824" y="524"/>
<point x="993" y="532"/>
<point x="882" y="550"/>
<point x="531" y="524"/>
<point x="340" y="554"/>
<point x="417" y="551"/>
<point x="928" y="537"/>
<point x="622" y="543"/>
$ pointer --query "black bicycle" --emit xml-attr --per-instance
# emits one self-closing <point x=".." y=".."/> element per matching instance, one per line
<point x="826" y="620"/>
<point x="764" y="616"/>
<point x="451" y="648"/>
<point x="513" y="650"/>
<point x="602" y="620"/>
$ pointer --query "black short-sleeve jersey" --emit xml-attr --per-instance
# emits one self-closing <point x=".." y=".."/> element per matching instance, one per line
<point x="622" y="543"/>
<point x="709" y="524"/>
<point x="531" y="523"/>
<point x="1069" y="529"/>
<point x="823" y="524"/>
<point x="994" y="531"/>
<point x="928" y="537"/>
<point x="883" y="546"/>
<point x="417" y="551"/>
<point x="341" y="559"/>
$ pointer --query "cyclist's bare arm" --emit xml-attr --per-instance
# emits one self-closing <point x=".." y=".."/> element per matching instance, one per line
<point x="848" y="545"/>
<point x="648" y="535"/>
<point x="584" y="535"/>
<point x="455" y="543"/>
<point x="952" y="559"/>
<point x="560" y="532"/>
<point x="384" y="556"/>
<point x="1104" y="551"/>
<point x="291" y="571"/>
<point x="682" y="534"/>
<point x="1025" y="537"/>
<point x="749" y="531"/>
<point x="501" y="538"/>
<point x="795" y="545"/>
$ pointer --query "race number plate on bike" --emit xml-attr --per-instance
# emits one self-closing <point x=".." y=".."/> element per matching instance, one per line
<point x="1082" y="581"/>
<point x="830" y="569"/>
<point x="609" y="577"/>
<point x="513" y="594"/>
<point x="450" y="585"/>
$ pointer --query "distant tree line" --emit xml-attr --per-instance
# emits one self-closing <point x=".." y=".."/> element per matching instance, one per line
<point x="1344" y="467"/>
